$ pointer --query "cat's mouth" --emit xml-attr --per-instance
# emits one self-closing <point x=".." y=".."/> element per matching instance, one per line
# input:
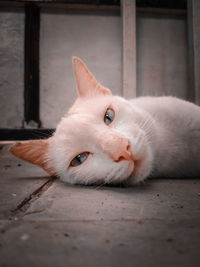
<point x="137" y="164"/>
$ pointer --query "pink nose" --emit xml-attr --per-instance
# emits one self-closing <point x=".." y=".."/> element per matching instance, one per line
<point x="116" y="147"/>
<point x="122" y="151"/>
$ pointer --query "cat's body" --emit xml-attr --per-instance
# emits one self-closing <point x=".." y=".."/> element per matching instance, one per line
<point x="107" y="139"/>
<point x="175" y="135"/>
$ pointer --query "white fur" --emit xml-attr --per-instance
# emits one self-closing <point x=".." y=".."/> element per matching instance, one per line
<point x="164" y="133"/>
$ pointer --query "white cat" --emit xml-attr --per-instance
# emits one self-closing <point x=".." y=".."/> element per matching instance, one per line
<point x="107" y="139"/>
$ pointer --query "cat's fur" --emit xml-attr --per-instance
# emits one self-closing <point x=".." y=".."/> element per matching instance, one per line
<point x="158" y="136"/>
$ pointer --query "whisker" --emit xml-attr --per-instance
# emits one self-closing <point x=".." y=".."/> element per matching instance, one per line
<point x="99" y="186"/>
<point x="147" y="125"/>
<point x="46" y="134"/>
<point x="39" y="134"/>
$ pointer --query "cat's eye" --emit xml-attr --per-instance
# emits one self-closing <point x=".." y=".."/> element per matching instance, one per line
<point x="79" y="159"/>
<point x="109" y="116"/>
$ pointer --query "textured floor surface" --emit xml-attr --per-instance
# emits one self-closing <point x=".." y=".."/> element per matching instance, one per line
<point x="44" y="222"/>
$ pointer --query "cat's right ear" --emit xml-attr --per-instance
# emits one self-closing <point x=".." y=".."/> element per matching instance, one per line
<point x="86" y="83"/>
<point x="35" y="152"/>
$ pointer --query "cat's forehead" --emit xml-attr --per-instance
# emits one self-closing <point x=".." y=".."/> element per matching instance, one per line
<point x="77" y="133"/>
<point x="91" y="105"/>
<point x="81" y="120"/>
<point x="85" y="118"/>
<point x="75" y="122"/>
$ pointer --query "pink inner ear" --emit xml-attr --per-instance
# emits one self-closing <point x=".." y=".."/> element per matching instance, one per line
<point x="35" y="152"/>
<point x="86" y="83"/>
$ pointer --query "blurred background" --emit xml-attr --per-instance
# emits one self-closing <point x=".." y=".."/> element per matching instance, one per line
<point x="136" y="48"/>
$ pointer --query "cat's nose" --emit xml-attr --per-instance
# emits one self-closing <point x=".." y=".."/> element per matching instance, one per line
<point x="117" y="147"/>
<point x="122" y="151"/>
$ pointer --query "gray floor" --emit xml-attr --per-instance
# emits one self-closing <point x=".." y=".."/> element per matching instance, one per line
<point x="44" y="222"/>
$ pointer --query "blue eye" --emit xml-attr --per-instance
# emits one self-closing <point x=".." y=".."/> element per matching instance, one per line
<point x="79" y="159"/>
<point x="109" y="116"/>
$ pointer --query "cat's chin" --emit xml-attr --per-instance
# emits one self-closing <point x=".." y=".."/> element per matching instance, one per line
<point x="142" y="169"/>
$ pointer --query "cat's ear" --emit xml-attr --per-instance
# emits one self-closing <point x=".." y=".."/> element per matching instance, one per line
<point x="86" y="83"/>
<point x="35" y="152"/>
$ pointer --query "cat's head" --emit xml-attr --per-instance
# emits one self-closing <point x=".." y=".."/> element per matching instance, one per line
<point x="99" y="140"/>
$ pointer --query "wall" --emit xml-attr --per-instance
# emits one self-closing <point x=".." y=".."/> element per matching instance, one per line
<point x="11" y="67"/>
<point x="97" y="40"/>
<point x="162" y="56"/>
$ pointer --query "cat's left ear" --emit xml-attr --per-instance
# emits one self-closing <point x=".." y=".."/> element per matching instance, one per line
<point x="86" y="83"/>
<point x="35" y="152"/>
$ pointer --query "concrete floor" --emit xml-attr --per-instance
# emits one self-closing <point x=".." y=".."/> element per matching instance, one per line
<point x="44" y="222"/>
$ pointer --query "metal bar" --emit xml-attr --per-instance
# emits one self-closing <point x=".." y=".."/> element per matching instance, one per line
<point x="129" y="47"/>
<point x="25" y="134"/>
<point x="31" y="66"/>
<point x="169" y="4"/>
<point x="194" y="49"/>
